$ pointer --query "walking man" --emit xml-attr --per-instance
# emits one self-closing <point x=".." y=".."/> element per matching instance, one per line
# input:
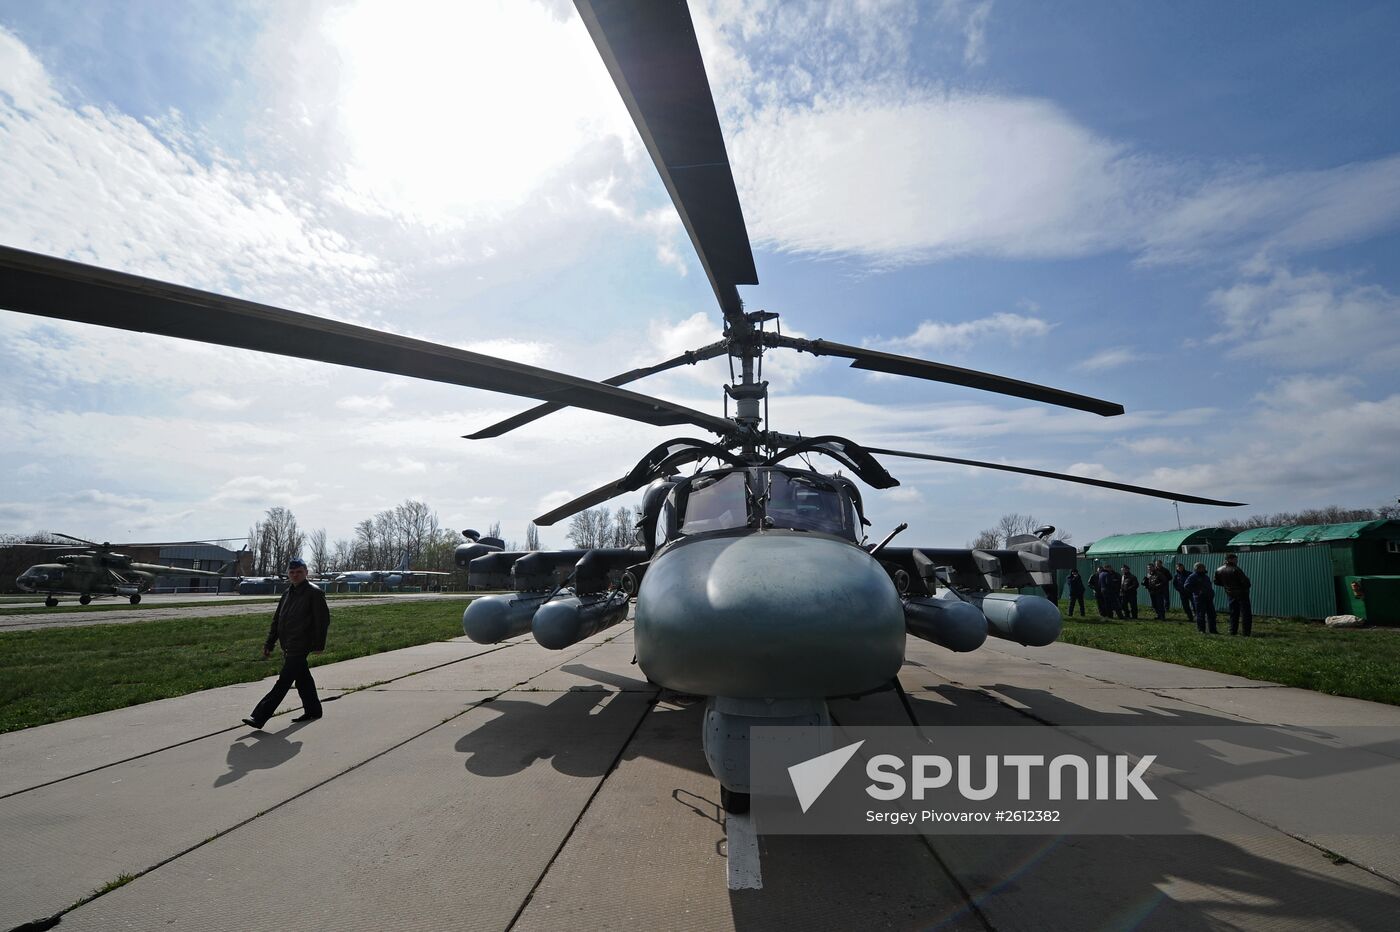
<point x="1202" y="599"/>
<point x="299" y="624"/>
<point x="1075" y="586"/>
<point x="1236" y="585"/>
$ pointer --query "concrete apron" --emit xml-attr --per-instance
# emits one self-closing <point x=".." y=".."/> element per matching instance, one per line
<point x="71" y="837"/>
<point x="579" y="807"/>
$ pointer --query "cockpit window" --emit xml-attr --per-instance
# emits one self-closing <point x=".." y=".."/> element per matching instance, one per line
<point x="807" y="503"/>
<point x="716" y="503"/>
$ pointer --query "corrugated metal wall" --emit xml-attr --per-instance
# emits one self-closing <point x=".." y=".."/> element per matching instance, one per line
<point x="1288" y="581"/>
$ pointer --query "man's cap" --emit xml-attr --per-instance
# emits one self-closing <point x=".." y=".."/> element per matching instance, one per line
<point x="296" y="563"/>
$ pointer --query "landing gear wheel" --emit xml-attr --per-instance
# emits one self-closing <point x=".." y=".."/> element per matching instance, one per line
<point x="733" y="802"/>
<point x="84" y="599"/>
<point x="136" y="599"/>
<point x="51" y="602"/>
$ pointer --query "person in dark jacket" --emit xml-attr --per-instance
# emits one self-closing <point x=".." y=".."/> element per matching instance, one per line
<point x="1097" y="586"/>
<point x="1112" y="586"/>
<point x="1128" y="588"/>
<point x="1236" y="585"/>
<point x="1202" y="599"/>
<point x="1075" y="587"/>
<point x="299" y="624"/>
<point x="1159" y="588"/>
<point x="1179" y="582"/>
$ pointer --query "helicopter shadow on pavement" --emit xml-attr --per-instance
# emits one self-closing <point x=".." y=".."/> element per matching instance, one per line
<point x="269" y="749"/>
<point x="1088" y="881"/>
<point x="580" y="731"/>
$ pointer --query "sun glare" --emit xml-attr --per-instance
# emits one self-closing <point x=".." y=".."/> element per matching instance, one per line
<point x="461" y="110"/>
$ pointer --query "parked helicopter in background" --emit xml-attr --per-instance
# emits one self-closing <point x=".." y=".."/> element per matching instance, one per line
<point x="754" y="581"/>
<point x="389" y="579"/>
<point x="99" y="571"/>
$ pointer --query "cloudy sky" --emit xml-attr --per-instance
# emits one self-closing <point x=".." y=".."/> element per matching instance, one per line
<point x="1192" y="209"/>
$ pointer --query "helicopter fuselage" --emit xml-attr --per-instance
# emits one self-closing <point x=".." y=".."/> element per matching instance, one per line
<point x="759" y="588"/>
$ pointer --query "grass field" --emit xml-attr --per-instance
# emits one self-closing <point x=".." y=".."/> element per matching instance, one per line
<point x="1363" y="663"/>
<point x="57" y="673"/>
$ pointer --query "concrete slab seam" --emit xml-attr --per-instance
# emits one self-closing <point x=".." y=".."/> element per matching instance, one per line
<point x="50" y="921"/>
<point x="1198" y="792"/>
<point x="220" y="731"/>
<point x="564" y="842"/>
<point x="970" y="903"/>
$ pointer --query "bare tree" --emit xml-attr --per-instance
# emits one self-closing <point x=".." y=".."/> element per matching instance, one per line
<point x="342" y="556"/>
<point x="624" y="527"/>
<point x="275" y="540"/>
<point x="1013" y="524"/>
<point x="532" y="537"/>
<point x="989" y="539"/>
<point x="1327" y="514"/>
<point x="320" y="551"/>
<point x="590" y="529"/>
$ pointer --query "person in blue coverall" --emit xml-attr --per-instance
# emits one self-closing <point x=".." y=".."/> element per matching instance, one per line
<point x="1179" y="583"/>
<point x="1202" y="599"/>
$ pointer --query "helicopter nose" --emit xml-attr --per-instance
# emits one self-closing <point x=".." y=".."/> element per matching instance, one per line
<point x="771" y="615"/>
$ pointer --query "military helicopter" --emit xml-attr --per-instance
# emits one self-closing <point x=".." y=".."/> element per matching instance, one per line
<point x="98" y="571"/>
<point x="754" y="581"/>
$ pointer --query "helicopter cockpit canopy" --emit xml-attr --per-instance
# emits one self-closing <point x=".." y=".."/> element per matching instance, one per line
<point x="762" y="497"/>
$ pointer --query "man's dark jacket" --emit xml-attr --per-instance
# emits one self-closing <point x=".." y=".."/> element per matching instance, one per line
<point x="1110" y="582"/>
<point x="1233" y="580"/>
<point x="1198" y="585"/>
<point x="301" y="621"/>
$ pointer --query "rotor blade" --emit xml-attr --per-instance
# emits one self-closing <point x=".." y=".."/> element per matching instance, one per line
<point x="1101" y="483"/>
<point x="649" y="48"/>
<point x="78" y="539"/>
<point x="585" y="501"/>
<point x="877" y="361"/>
<point x="49" y="287"/>
<point x="539" y="411"/>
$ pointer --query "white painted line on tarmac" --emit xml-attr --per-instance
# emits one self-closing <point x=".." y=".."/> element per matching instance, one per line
<point x="745" y="872"/>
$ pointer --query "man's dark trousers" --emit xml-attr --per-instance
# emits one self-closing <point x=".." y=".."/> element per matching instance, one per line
<point x="1161" y="600"/>
<point x="1205" y="613"/>
<point x="1241" y="614"/>
<point x="294" y="670"/>
<point x="1077" y="599"/>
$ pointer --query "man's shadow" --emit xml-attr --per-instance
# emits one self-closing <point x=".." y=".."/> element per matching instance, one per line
<point x="268" y="749"/>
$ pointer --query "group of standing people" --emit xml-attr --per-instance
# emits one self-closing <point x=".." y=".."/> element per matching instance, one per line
<point x="1115" y="592"/>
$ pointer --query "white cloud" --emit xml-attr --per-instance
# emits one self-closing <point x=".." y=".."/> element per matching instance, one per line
<point x="970" y="17"/>
<point x="96" y="185"/>
<point x="918" y="175"/>
<point x="219" y="401"/>
<point x="259" y="491"/>
<point x="110" y="499"/>
<point x="910" y="175"/>
<point x="1112" y="358"/>
<point x="1308" y="319"/>
<point x="936" y="336"/>
<point x="400" y="465"/>
<point x="1157" y="446"/>
<point x="364" y="404"/>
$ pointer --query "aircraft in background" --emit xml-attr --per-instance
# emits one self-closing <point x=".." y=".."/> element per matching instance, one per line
<point x="390" y="579"/>
<point x="99" y="571"/>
